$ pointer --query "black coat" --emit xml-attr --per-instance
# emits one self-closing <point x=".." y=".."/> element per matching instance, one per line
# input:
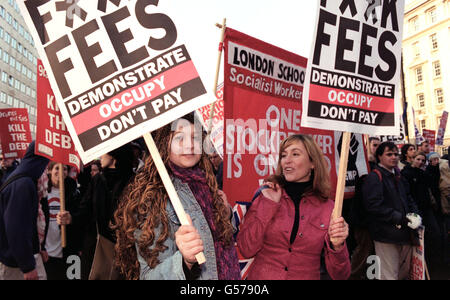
<point x="387" y="202"/>
<point x="101" y="200"/>
<point x="73" y="231"/>
<point x="418" y="183"/>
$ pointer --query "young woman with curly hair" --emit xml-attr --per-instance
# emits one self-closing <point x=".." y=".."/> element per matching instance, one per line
<point x="151" y="243"/>
<point x="289" y="224"/>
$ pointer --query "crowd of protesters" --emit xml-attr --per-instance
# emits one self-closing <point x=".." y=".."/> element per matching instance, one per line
<point x="119" y="221"/>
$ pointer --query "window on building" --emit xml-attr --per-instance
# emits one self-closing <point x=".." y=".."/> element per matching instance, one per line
<point x="419" y="75"/>
<point x="18" y="66"/>
<point x="421" y="100"/>
<point x="9" y="18"/>
<point x="6" y="57"/>
<point x="432" y="15"/>
<point x="10" y="100"/>
<point x="17" y="85"/>
<point x="12" y="62"/>
<point x="414" y="24"/>
<point x="7" y="38"/>
<point x="4" y="77"/>
<point x="3" y="97"/>
<point x="436" y="68"/>
<point x="15" y="24"/>
<point x="416" y="49"/>
<point x="2" y="11"/>
<point x="434" y="42"/>
<point x="14" y="43"/>
<point x="10" y="80"/>
<point x="423" y="124"/>
<point x="439" y="95"/>
<point x="2" y="32"/>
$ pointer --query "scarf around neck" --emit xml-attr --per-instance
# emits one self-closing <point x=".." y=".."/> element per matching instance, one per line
<point x="226" y="257"/>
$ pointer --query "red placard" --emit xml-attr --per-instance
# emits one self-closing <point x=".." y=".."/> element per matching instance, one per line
<point x="15" y="132"/>
<point x="262" y="96"/>
<point x="430" y="136"/>
<point x="52" y="138"/>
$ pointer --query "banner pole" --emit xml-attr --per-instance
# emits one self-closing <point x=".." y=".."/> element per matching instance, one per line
<point x="173" y="196"/>
<point x="339" y="199"/>
<point x="216" y="79"/>
<point x="62" y="202"/>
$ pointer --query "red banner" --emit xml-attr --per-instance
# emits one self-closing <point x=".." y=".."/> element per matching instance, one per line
<point x="52" y="137"/>
<point x="15" y="135"/>
<point x="263" y="92"/>
<point x="430" y="136"/>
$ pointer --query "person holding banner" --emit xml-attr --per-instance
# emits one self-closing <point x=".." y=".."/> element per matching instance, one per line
<point x="54" y="255"/>
<point x="151" y="243"/>
<point x="19" y="239"/>
<point x="392" y="214"/>
<point x="289" y="224"/>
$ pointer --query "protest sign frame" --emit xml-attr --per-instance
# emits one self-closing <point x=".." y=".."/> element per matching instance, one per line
<point x="340" y="188"/>
<point x="62" y="202"/>
<point x="216" y="79"/>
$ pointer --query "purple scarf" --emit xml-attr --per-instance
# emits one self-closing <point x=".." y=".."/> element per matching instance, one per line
<point x="226" y="257"/>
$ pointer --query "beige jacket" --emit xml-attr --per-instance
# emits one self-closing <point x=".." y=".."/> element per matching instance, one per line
<point x="444" y="186"/>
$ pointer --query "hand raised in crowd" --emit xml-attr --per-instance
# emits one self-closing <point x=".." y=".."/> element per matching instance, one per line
<point x="33" y="275"/>
<point x="64" y="218"/>
<point x="338" y="232"/>
<point x="273" y="192"/>
<point x="188" y="242"/>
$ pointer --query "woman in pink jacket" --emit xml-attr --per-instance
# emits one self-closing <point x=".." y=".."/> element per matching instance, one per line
<point x="288" y="225"/>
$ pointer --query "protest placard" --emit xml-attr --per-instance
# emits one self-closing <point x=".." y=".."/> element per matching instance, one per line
<point x="418" y="267"/>
<point x="430" y="136"/>
<point x="262" y="96"/>
<point x="352" y="79"/>
<point x="52" y="138"/>
<point x="399" y="140"/>
<point x="441" y="130"/>
<point x="15" y="135"/>
<point x="118" y="68"/>
<point x="204" y="114"/>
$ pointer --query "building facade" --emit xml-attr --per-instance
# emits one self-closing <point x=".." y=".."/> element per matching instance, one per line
<point x="426" y="64"/>
<point x="18" y="62"/>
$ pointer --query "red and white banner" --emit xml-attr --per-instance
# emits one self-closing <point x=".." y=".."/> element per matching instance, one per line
<point x="262" y="96"/>
<point x="441" y="130"/>
<point x="353" y="73"/>
<point x="119" y="69"/>
<point x="52" y="138"/>
<point x="417" y="270"/>
<point x="204" y="114"/>
<point x="15" y="135"/>
<point x="430" y="136"/>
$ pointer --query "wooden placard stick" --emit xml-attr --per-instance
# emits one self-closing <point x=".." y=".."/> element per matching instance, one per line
<point x="62" y="202"/>
<point x="173" y="196"/>
<point x="219" y="59"/>
<point x="339" y="199"/>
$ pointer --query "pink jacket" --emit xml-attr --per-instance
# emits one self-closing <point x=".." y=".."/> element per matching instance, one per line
<point x="265" y="235"/>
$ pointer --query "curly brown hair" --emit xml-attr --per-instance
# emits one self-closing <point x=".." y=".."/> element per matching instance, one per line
<point x="143" y="207"/>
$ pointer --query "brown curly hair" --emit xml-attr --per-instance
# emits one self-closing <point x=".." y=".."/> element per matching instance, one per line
<point x="143" y="207"/>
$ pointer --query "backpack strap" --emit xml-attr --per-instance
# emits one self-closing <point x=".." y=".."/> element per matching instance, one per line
<point x="11" y="179"/>
<point x="379" y="174"/>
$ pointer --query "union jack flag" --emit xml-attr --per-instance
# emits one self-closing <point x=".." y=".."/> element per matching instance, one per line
<point x="239" y="211"/>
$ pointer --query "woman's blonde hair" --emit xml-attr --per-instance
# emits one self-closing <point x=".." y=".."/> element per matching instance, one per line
<point x="319" y="175"/>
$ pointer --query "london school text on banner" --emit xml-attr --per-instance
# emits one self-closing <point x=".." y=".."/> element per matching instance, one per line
<point x="352" y="78"/>
<point x="118" y="69"/>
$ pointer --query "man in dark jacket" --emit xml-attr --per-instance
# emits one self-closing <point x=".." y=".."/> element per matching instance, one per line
<point x="18" y="216"/>
<point x="390" y="211"/>
<point x="7" y="166"/>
